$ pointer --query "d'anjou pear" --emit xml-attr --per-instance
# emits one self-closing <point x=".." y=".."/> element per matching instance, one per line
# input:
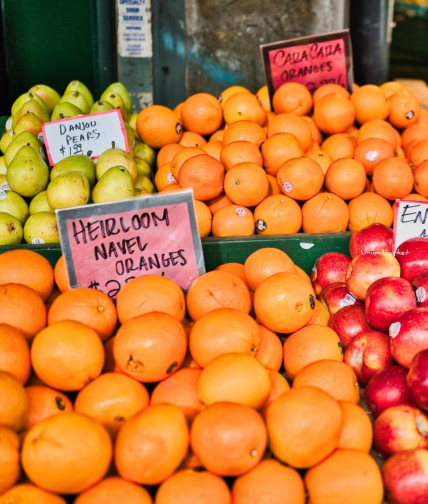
<point x="68" y="189"/>
<point x="28" y="173"/>
<point x="41" y="227"/>
<point x="115" y="184"/>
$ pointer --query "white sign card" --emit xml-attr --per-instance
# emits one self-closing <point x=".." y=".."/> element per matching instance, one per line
<point x="410" y="220"/>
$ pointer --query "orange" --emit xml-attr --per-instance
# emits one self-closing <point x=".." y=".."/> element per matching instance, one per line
<point x="291" y="123"/>
<point x="283" y="303"/>
<point x="14" y="353"/>
<point x="218" y="202"/>
<point x="61" y="274"/>
<point x="379" y="128"/>
<point x="150" y="347"/>
<point x="421" y="179"/>
<point x="405" y="109"/>
<point x="304" y="426"/>
<point x="164" y="177"/>
<point x="325" y="213"/>
<point x="346" y="178"/>
<point x="204" y="174"/>
<point x="222" y="331"/>
<point x="325" y="89"/>
<point x="10" y="469"/>
<point x="265" y="262"/>
<point x="91" y="307"/>
<point x="188" y="485"/>
<point x="66" y="453"/>
<point x="279" y="148"/>
<point x="309" y="344"/>
<point x="300" y="178"/>
<point x="203" y="218"/>
<point x="279" y="385"/>
<point x="391" y="87"/>
<point x="228" y="438"/>
<point x="243" y="106"/>
<point x="111" y="399"/>
<point x="270" y="481"/>
<point x="292" y="97"/>
<point x="273" y="185"/>
<point x="263" y="95"/>
<point x="246" y="130"/>
<point x="235" y="268"/>
<point x="246" y="184"/>
<point x="240" y="151"/>
<point x="151" y="445"/>
<point x="192" y="139"/>
<point x="418" y="153"/>
<point x="332" y="376"/>
<point x="217" y="136"/>
<point x="368" y="208"/>
<point x="112" y="490"/>
<point x="67" y="354"/>
<point x="43" y="402"/>
<point x="321" y="157"/>
<point x="333" y="113"/>
<point x="370" y="102"/>
<point x="213" y="148"/>
<point x="414" y="132"/>
<point x="231" y="377"/>
<point x="278" y="214"/>
<point x="158" y="125"/>
<point x="357" y="428"/>
<point x="27" y="492"/>
<point x="339" y="145"/>
<point x="269" y="352"/>
<point x="23" y="308"/>
<point x="167" y="152"/>
<point x="371" y="151"/>
<point x="321" y="314"/>
<point x="233" y="220"/>
<point x="317" y="136"/>
<point x="345" y="477"/>
<point x="28" y="267"/>
<point x="180" y="157"/>
<point x="231" y="90"/>
<point x="180" y="389"/>
<point x="13" y="402"/>
<point x="217" y="289"/>
<point x="149" y="293"/>
<point x="393" y="178"/>
<point x="202" y="113"/>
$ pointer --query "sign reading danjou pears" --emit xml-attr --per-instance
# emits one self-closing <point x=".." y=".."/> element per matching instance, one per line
<point x="107" y="244"/>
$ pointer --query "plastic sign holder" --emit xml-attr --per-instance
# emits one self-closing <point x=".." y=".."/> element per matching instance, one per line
<point x="85" y="134"/>
<point x="410" y="220"/>
<point x="107" y="244"/>
<point x="313" y="61"/>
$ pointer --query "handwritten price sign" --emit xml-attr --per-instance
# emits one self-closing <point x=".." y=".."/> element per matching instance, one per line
<point x="86" y="134"/>
<point x="312" y="61"/>
<point x="107" y="244"/>
<point x="410" y="220"/>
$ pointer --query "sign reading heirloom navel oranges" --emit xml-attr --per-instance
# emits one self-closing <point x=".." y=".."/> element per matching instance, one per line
<point x="313" y="61"/>
<point x="107" y="244"/>
<point x="410" y="220"/>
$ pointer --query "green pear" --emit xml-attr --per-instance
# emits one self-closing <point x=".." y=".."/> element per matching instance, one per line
<point x="100" y="106"/>
<point x="75" y="162"/>
<point x="3" y="167"/>
<point x="120" y="88"/>
<point x="115" y="184"/>
<point x="34" y="107"/>
<point x="28" y="122"/>
<point x="116" y="157"/>
<point x="64" y="110"/>
<point x="47" y="93"/>
<point x="143" y="151"/>
<point x="25" y="98"/>
<point x="28" y="172"/>
<point x="69" y="189"/>
<point x="11" y="230"/>
<point x="14" y="204"/>
<point x="39" y="203"/>
<point x="41" y="227"/>
<point x="143" y="185"/>
<point x="143" y="167"/>
<point x="76" y="85"/>
<point x="115" y="100"/>
<point x="132" y="121"/>
<point x="24" y="138"/>
<point x="76" y="98"/>
<point x="5" y="140"/>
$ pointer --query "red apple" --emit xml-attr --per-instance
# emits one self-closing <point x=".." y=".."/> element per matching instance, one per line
<point x="412" y="255"/>
<point x="335" y="296"/>
<point x="417" y="379"/>
<point x="329" y="268"/>
<point x="348" y="322"/>
<point x="364" y="269"/>
<point x="409" y="335"/>
<point x="405" y="477"/>
<point x="386" y="299"/>
<point x="386" y="388"/>
<point x="420" y="284"/>
<point x="398" y="428"/>
<point x="367" y="354"/>
<point x="374" y="238"/>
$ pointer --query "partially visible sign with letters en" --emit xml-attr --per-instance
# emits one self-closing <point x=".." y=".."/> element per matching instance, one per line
<point x="410" y="220"/>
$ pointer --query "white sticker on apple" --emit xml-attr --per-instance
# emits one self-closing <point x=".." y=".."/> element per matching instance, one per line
<point x="394" y="329"/>
<point x="421" y="294"/>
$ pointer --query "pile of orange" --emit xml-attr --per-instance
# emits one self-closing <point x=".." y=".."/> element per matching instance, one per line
<point x="330" y="161"/>
<point x="233" y="392"/>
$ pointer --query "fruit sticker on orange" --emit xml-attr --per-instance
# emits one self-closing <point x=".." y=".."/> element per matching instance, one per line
<point x="410" y="220"/>
<point x="107" y="244"/>
<point x="90" y="134"/>
<point x="313" y="61"/>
